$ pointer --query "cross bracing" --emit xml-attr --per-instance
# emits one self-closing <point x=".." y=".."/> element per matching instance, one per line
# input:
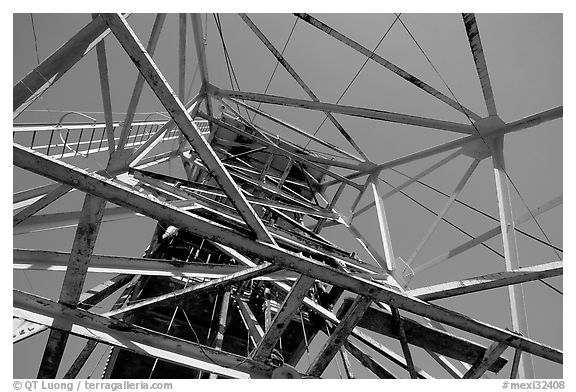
<point x="243" y="272"/>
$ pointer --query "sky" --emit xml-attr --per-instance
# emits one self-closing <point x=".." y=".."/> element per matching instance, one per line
<point x="524" y="57"/>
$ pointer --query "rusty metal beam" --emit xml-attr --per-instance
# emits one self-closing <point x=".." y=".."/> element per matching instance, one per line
<point x="82" y="248"/>
<point x="39" y="204"/>
<point x="480" y="61"/>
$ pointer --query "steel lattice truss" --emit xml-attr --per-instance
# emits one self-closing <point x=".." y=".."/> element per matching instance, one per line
<point x="235" y="205"/>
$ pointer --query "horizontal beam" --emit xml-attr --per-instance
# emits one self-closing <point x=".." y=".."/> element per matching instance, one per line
<point x="137" y="339"/>
<point x="40" y="260"/>
<point x="163" y="212"/>
<point x="373" y="114"/>
<point x="486" y="282"/>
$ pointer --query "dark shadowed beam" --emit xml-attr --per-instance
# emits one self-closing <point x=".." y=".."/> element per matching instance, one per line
<point x="301" y="82"/>
<point x="339" y="336"/>
<point x="399" y="326"/>
<point x="373" y="114"/>
<point x="27" y="90"/>
<point x="380" y="60"/>
<point x="483" y="363"/>
<point x="369" y="362"/>
<point x="158" y="83"/>
<point x="254" y="329"/>
<point x="282" y="319"/>
<point x="81" y="359"/>
<point x="137" y="339"/>
<point x="480" y="61"/>
<point x="124" y="196"/>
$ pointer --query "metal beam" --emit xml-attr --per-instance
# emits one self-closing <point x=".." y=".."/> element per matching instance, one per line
<point x="81" y="359"/>
<point x="516" y="292"/>
<point x="487" y="235"/>
<point x="339" y="336"/>
<point x="105" y="89"/>
<point x="399" y="326"/>
<point x="40" y="260"/>
<point x="487" y="282"/>
<point x="137" y="339"/>
<point x="200" y="42"/>
<point x="123" y="196"/>
<point x="373" y="114"/>
<point x="369" y="362"/>
<point x="380" y="60"/>
<point x="483" y="363"/>
<point x="139" y="85"/>
<point x="254" y="329"/>
<point x="82" y="248"/>
<point x="444" y="210"/>
<point x="44" y="201"/>
<point x="301" y="82"/>
<point x="412" y="180"/>
<point x="27" y="90"/>
<point x="282" y="319"/>
<point x="295" y="128"/>
<point x="480" y="61"/>
<point x="524" y="123"/>
<point x="150" y="72"/>
<point x="383" y="225"/>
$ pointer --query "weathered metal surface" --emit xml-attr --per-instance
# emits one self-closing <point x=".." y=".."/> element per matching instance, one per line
<point x="487" y="282"/>
<point x="492" y="354"/>
<point x="480" y="61"/>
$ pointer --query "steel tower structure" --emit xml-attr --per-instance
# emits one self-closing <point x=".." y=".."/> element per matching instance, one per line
<point x="238" y="278"/>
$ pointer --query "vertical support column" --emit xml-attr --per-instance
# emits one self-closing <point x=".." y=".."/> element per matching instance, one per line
<point x="383" y="223"/>
<point x="516" y="293"/>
